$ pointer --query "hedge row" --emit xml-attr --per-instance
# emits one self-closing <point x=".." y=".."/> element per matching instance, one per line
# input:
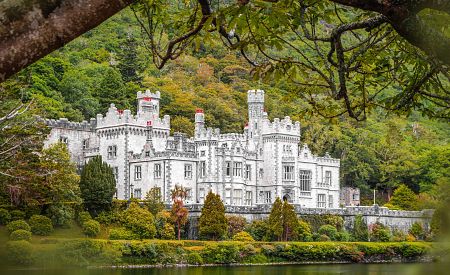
<point x="114" y="252"/>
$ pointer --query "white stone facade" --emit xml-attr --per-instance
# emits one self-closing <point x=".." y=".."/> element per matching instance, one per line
<point x="247" y="169"/>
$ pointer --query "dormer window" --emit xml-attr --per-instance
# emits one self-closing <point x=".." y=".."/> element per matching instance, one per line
<point x="147" y="153"/>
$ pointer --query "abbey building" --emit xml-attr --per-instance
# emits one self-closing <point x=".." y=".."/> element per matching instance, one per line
<point x="251" y="168"/>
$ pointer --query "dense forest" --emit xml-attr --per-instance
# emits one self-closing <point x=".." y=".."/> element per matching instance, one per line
<point x="110" y="63"/>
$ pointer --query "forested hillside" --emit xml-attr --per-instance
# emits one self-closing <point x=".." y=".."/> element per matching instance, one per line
<point x="109" y="64"/>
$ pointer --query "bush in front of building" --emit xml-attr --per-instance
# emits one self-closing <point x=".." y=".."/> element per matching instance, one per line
<point x="121" y="233"/>
<point x="329" y="231"/>
<point x="140" y="221"/>
<point x="243" y="237"/>
<point x="91" y="228"/>
<point x="18" y="224"/>
<point x="304" y="232"/>
<point x="379" y="233"/>
<point x="41" y="225"/>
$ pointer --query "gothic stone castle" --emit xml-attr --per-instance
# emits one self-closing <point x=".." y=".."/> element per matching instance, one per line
<point x="248" y="169"/>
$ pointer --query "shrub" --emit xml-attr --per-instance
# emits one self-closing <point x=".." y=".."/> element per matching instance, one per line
<point x="140" y="221"/>
<point x="20" y="252"/>
<point x="417" y="231"/>
<point x="16" y="225"/>
<point x="41" y="225"/>
<point x="404" y="198"/>
<point x="243" y="237"/>
<point x="258" y="230"/>
<point x="194" y="258"/>
<point x="91" y="228"/>
<point x="20" y="235"/>
<point x="379" y="233"/>
<point x="121" y="234"/>
<point x="221" y="253"/>
<point x="235" y="224"/>
<point x="83" y="217"/>
<point x="304" y="232"/>
<point x="167" y="232"/>
<point x="5" y="216"/>
<point x="324" y="238"/>
<point x="17" y="215"/>
<point x="398" y="235"/>
<point x="108" y="217"/>
<point x="328" y="230"/>
<point x="360" y="229"/>
<point x="342" y="236"/>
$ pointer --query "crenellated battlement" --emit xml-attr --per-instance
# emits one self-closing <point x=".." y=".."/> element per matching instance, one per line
<point x="66" y="124"/>
<point x="255" y="96"/>
<point x="148" y="94"/>
<point x="232" y="137"/>
<point x="284" y="126"/>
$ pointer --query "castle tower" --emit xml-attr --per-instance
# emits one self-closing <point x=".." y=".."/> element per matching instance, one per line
<point x="255" y="100"/>
<point x="148" y="103"/>
<point x="199" y="120"/>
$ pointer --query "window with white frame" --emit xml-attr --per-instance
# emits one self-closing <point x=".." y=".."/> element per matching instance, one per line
<point x="201" y="195"/>
<point x="248" y="172"/>
<point x="321" y="200"/>
<point x="268" y="197"/>
<point x="116" y="173"/>
<point x="112" y="151"/>
<point x="137" y="172"/>
<point x="227" y="196"/>
<point x="355" y="196"/>
<point x="228" y="168"/>
<point x="188" y="194"/>
<point x="85" y="144"/>
<point x="237" y="197"/>
<point x="237" y="169"/>
<point x="188" y="171"/>
<point x="248" y="197"/>
<point x="288" y="172"/>
<point x="330" y="201"/>
<point x="305" y="177"/>
<point x="157" y="171"/>
<point x="328" y="177"/>
<point x="137" y="193"/>
<point x="202" y="153"/>
<point x="202" y="169"/>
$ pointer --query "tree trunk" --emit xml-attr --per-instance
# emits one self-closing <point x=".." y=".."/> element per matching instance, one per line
<point x="179" y="231"/>
<point x="31" y="29"/>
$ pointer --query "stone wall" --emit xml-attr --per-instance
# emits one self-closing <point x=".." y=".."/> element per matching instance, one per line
<point x="393" y="219"/>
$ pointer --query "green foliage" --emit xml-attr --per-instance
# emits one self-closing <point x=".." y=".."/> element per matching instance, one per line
<point x="167" y="232"/>
<point x="360" y="230"/>
<point x="83" y="216"/>
<point x="41" y="225"/>
<point x="304" y="232"/>
<point x="317" y="220"/>
<point x="164" y="230"/>
<point x="235" y="224"/>
<point x="18" y="224"/>
<point x="91" y="228"/>
<point x="404" y="198"/>
<point x="258" y="229"/>
<point x="328" y="230"/>
<point x="243" y="237"/>
<point x="275" y="221"/>
<point x="417" y="231"/>
<point x="20" y="235"/>
<point x="194" y="258"/>
<point x="87" y="252"/>
<point x="342" y="236"/>
<point x="5" y="216"/>
<point x="212" y="224"/>
<point x="122" y="233"/>
<point x="220" y="253"/>
<point x="17" y="215"/>
<point x="97" y="185"/>
<point x="20" y="252"/>
<point x="379" y="233"/>
<point x="153" y="201"/>
<point x="140" y="221"/>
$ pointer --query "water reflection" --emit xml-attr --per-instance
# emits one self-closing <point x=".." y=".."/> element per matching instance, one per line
<point x="351" y="269"/>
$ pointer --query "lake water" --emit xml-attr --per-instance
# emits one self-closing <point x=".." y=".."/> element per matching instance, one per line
<point x="351" y="269"/>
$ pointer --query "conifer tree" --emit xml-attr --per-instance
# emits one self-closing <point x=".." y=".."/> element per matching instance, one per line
<point x="212" y="222"/>
<point x="153" y="201"/>
<point x="404" y="198"/>
<point x="276" y="219"/>
<point x="290" y="221"/>
<point x="97" y="185"/>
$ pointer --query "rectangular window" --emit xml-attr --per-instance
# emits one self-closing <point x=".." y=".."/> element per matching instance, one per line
<point x="355" y="196"/>
<point x="321" y="200"/>
<point x="288" y="172"/>
<point x="188" y="171"/>
<point x="188" y="194"/>
<point x="112" y="151"/>
<point x="237" y="197"/>
<point x="268" y="197"/>
<point x="227" y="168"/>
<point x="157" y="171"/>
<point x="202" y="153"/>
<point x="137" y="193"/>
<point x="248" y="172"/>
<point x="137" y="172"/>
<point x="305" y="177"/>
<point x="202" y="169"/>
<point x="116" y="173"/>
<point x="201" y="195"/>
<point x="64" y="140"/>
<point x="248" y="198"/>
<point x="330" y="201"/>
<point x="227" y="196"/>
<point x="85" y="144"/>
<point x="328" y="177"/>
<point x="261" y="173"/>
<point x="237" y="169"/>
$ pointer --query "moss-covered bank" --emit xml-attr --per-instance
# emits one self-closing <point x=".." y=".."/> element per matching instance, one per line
<point x="94" y="252"/>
